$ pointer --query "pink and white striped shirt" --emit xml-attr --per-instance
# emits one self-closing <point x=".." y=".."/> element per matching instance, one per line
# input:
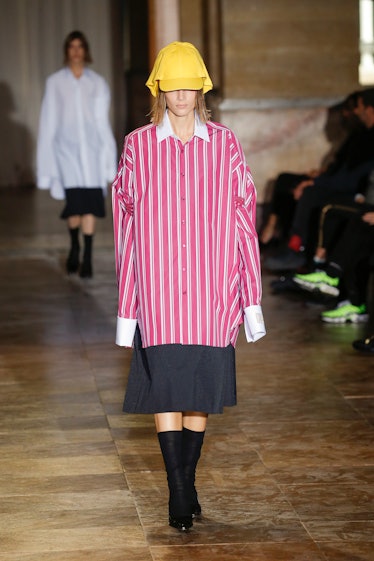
<point x="186" y="248"/>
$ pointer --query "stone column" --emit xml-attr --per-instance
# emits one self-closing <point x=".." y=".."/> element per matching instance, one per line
<point x="164" y="25"/>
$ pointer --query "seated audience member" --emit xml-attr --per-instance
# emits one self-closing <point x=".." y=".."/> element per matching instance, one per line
<point x="347" y="272"/>
<point x="283" y="202"/>
<point x="334" y="218"/>
<point x="340" y="186"/>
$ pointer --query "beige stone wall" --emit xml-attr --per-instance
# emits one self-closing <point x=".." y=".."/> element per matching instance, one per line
<point x="289" y="48"/>
<point x="283" y="63"/>
<point x="276" y="140"/>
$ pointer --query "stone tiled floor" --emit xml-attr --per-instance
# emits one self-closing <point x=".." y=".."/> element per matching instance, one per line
<point x="286" y="475"/>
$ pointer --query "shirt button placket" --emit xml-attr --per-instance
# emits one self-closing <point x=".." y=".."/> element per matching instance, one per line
<point x="183" y="220"/>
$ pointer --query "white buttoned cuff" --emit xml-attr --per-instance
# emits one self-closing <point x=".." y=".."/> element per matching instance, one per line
<point x="254" y="325"/>
<point x="125" y="331"/>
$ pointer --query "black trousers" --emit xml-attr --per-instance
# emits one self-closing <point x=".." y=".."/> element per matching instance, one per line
<point x="351" y="259"/>
<point x="282" y="203"/>
<point x="334" y="218"/>
<point x="308" y="209"/>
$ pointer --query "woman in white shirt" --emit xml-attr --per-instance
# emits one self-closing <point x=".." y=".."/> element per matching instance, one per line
<point x="76" y="153"/>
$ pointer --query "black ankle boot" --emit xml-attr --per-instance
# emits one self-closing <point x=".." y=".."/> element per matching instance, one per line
<point x="72" y="262"/>
<point x="192" y="443"/>
<point x="86" y="267"/>
<point x="179" y="505"/>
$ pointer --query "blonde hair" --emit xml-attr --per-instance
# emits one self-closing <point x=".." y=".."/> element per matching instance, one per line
<point x="159" y="107"/>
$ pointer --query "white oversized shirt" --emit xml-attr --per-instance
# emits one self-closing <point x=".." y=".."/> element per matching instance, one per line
<point x="76" y="146"/>
<point x="187" y="255"/>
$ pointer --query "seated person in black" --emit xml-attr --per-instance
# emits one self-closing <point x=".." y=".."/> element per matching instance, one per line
<point x="285" y="193"/>
<point x="347" y="272"/>
<point x="340" y="186"/>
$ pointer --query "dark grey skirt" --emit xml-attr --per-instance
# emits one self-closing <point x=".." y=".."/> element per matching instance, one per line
<point x="81" y="200"/>
<point x="168" y="378"/>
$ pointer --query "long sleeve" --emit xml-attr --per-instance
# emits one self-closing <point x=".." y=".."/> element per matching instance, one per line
<point x="122" y="205"/>
<point x="109" y="152"/>
<point x="250" y="269"/>
<point x="48" y="176"/>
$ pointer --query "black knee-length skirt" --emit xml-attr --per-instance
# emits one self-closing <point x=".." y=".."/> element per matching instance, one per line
<point x="167" y="378"/>
<point x="84" y="200"/>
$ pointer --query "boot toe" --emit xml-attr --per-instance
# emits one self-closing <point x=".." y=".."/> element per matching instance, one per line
<point x="181" y="523"/>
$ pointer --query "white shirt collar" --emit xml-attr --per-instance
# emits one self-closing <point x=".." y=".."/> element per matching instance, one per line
<point x="164" y="129"/>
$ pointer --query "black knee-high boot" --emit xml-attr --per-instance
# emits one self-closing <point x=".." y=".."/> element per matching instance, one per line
<point x="72" y="263"/>
<point x="192" y="443"/>
<point x="86" y="268"/>
<point x="179" y="507"/>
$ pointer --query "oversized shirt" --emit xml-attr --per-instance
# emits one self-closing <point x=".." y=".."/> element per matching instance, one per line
<point x="76" y="146"/>
<point x="186" y="248"/>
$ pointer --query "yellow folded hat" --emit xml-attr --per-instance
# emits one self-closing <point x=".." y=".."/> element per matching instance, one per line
<point x="179" y="66"/>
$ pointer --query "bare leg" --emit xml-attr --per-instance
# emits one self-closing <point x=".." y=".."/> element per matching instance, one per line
<point x="195" y="421"/>
<point x="191" y="420"/>
<point x="168" y="421"/>
<point x="74" y="221"/>
<point x="320" y="254"/>
<point x="88" y="224"/>
<point x="269" y="229"/>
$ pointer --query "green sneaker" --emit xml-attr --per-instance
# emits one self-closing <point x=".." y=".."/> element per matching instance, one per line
<point x="346" y="312"/>
<point x="318" y="282"/>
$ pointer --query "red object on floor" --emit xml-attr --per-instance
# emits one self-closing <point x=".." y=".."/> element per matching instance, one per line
<point x="295" y="243"/>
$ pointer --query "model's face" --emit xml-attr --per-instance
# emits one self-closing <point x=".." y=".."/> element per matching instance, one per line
<point x="181" y="102"/>
<point x="360" y="109"/>
<point x="76" y="54"/>
<point x="365" y="113"/>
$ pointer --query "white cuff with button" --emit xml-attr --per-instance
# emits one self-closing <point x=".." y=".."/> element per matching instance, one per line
<point x="125" y="331"/>
<point x="254" y="325"/>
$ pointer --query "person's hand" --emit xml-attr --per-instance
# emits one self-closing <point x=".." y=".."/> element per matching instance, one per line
<point x="314" y="172"/>
<point x="359" y="198"/>
<point x="299" y="189"/>
<point x="368" y="217"/>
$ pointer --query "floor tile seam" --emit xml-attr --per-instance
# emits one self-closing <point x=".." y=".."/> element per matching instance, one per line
<point x="296" y="422"/>
<point x="137" y="509"/>
<point x="335" y="520"/>
<point x="285" y="497"/>
<point x="326" y="484"/>
<point x="37" y="250"/>
<point x="299" y="519"/>
<point x="348" y="542"/>
<point x="340" y="520"/>
<point x="62" y="493"/>
<point x="282" y="493"/>
<point x="324" y="556"/>
<point x="228" y="544"/>
<point x="124" y="474"/>
<point x="362" y="415"/>
<point x="346" y="399"/>
<point x="364" y="396"/>
<point x="41" y="254"/>
<point x="303" y="518"/>
<point x="266" y="439"/>
<point x="321" y="541"/>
